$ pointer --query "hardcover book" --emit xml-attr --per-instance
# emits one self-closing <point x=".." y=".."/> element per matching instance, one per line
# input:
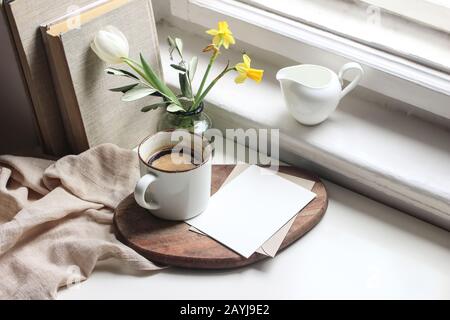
<point x="91" y="113"/>
<point x="24" y="18"/>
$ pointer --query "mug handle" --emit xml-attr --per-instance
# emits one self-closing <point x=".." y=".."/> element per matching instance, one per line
<point x="346" y="67"/>
<point x="140" y="189"/>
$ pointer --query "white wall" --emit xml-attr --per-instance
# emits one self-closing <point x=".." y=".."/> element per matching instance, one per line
<point x="161" y="8"/>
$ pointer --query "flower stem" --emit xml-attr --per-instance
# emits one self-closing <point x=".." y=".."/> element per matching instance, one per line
<point x="205" y="76"/>
<point x="211" y="85"/>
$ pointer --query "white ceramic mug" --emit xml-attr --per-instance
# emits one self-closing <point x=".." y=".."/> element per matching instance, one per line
<point x="174" y="195"/>
<point x="312" y="92"/>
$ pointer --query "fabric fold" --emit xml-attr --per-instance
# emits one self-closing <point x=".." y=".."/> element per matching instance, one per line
<point x="56" y="217"/>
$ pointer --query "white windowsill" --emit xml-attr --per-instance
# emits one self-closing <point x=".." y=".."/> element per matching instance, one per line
<point x="423" y="88"/>
<point x="399" y="160"/>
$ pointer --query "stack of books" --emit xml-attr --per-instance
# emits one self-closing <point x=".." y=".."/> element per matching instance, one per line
<point x="67" y="85"/>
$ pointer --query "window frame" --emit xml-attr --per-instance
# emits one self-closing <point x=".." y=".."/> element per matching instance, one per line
<point x="423" y="13"/>
<point x="376" y="23"/>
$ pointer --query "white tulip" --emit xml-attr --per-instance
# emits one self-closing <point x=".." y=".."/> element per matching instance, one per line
<point x="110" y="45"/>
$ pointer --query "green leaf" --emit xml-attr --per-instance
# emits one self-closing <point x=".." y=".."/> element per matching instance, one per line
<point x="179" y="45"/>
<point x="177" y="67"/>
<point x="184" y="85"/>
<point x="192" y="67"/>
<point x="154" y="106"/>
<point x="156" y="82"/>
<point x="124" y="89"/>
<point x="138" y="68"/>
<point x="171" y="43"/>
<point x="174" y="108"/>
<point x="137" y="93"/>
<point x="120" y="72"/>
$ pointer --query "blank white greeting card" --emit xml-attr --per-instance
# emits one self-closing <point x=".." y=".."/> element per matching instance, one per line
<point x="250" y="209"/>
<point x="271" y="246"/>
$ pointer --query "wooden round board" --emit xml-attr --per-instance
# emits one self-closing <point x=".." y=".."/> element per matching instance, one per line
<point x="172" y="243"/>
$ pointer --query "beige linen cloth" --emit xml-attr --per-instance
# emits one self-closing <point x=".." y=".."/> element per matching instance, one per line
<point x="55" y="217"/>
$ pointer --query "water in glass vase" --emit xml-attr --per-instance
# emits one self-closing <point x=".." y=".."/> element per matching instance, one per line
<point x="196" y="121"/>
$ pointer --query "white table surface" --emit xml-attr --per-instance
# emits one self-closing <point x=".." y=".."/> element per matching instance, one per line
<point x="360" y="250"/>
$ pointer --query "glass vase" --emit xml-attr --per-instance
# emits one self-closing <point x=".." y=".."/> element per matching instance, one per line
<point x="196" y="121"/>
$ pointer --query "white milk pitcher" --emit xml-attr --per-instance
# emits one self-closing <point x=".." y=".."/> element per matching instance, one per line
<point x="312" y="92"/>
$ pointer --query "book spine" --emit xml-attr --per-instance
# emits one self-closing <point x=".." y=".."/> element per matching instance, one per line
<point x="52" y="140"/>
<point x="65" y="91"/>
<point x="19" y="62"/>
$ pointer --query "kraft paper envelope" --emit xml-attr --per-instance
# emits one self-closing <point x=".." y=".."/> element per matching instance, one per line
<point x="270" y="246"/>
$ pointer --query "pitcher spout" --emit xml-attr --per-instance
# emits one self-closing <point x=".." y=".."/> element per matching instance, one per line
<point x="311" y="76"/>
<point x="285" y="74"/>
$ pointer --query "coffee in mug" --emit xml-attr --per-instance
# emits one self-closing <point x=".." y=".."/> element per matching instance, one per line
<point x="171" y="159"/>
<point x="175" y="168"/>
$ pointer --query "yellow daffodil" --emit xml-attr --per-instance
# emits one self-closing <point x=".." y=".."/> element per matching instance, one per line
<point x="245" y="71"/>
<point x="222" y="36"/>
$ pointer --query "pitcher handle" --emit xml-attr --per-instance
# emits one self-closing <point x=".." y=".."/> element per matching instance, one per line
<point x="346" y="67"/>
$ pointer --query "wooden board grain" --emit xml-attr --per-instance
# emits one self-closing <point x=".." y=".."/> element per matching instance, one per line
<point x="171" y="243"/>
